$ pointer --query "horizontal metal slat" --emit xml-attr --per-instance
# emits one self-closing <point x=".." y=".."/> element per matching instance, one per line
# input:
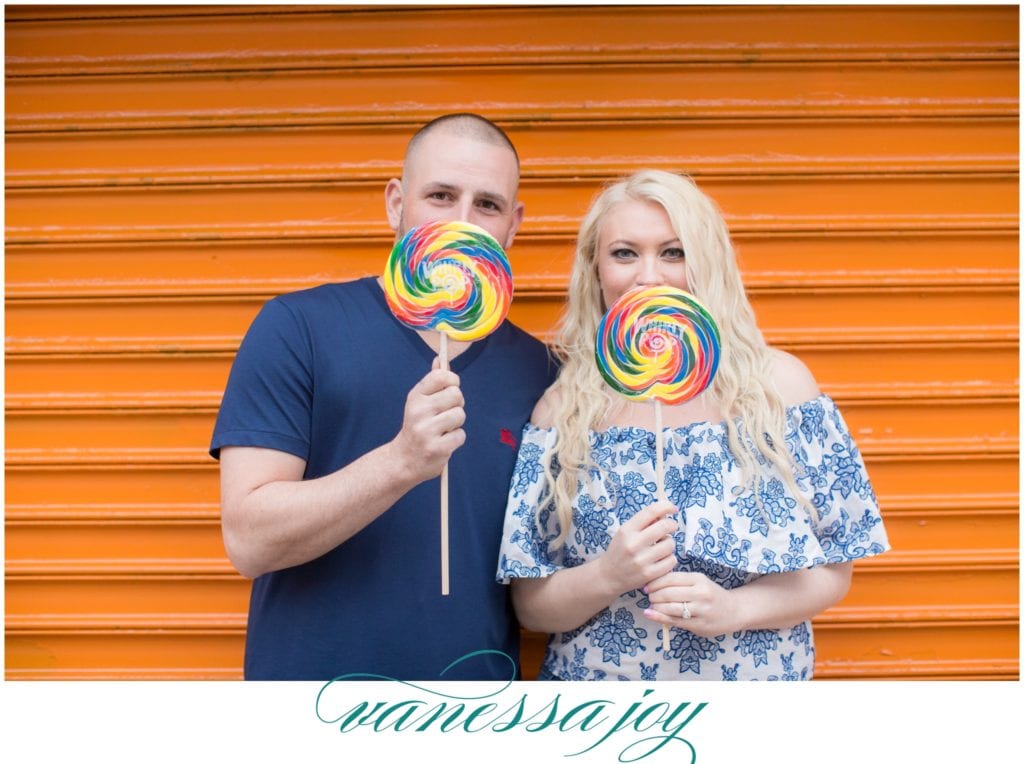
<point x="110" y="514"/>
<point x="113" y="484"/>
<point x="97" y="456"/>
<point x="966" y="529"/>
<point x="927" y="641"/>
<point x="857" y="365"/>
<point x="902" y="418"/>
<point x="781" y="204"/>
<point x="910" y="397"/>
<point x="113" y="567"/>
<point x="64" y="13"/>
<point x="842" y="616"/>
<point x="878" y="316"/>
<point x="971" y="427"/>
<point x="982" y="669"/>
<point x="215" y="649"/>
<point x="907" y="507"/>
<point x="39" y="542"/>
<point x="550" y="149"/>
<point x="948" y="474"/>
<point x="996" y="450"/>
<point x="912" y="361"/>
<point x="184" y="378"/>
<point x="899" y="560"/>
<point x="981" y="412"/>
<point x="838" y="619"/>
<point x="539" y="263"/>
<point x="61" y="592"/>
<point x="67" y="591"/>
<point x="824" y="308"/>
<point x="127" y="622"/>
<point x="647" y="91"/>
<point x="152" y="673"/>
<point x="38" y="535"/>
<point x="492" y="35"/>
<point x="892" y="562"/>
<point x="222" y="649"/>
<point x="112" y="597"/>
<point x="834" y="670"/>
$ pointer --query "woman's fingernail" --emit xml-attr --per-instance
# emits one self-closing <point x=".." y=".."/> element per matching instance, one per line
<point x="644" y="590"/>
<point x="649" y="612"/>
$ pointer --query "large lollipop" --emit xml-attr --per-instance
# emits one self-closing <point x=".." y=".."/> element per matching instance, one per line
<point x="454" y="278"/>
<point x="658" y="342"/>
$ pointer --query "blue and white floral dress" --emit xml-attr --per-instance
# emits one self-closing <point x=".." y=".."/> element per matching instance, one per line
<point x="726" y="534"/>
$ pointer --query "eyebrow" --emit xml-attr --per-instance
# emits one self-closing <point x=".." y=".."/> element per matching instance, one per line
<point x="489" y="195"/>
<point x="628" y="243"/>
<point x="498" y="199"/>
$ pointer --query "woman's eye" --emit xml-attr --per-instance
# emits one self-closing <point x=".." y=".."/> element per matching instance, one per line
<point x="674" y="254"/>
<point x="623" y="254"/>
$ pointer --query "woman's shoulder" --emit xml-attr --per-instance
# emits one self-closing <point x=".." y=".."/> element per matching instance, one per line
<point x="792" y="378"/>
<point x="543" y="415"/>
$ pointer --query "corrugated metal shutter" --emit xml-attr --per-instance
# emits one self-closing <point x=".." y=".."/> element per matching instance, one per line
<point x="170" y="169"/>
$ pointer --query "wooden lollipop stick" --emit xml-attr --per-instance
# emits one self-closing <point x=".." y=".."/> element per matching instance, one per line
<point x="659" y="469"/>
<point x="443" y="356"/>
<point x="659" y="461"/>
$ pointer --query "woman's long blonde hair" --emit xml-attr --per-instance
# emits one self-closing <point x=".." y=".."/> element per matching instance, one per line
<point x="742" y="387"/>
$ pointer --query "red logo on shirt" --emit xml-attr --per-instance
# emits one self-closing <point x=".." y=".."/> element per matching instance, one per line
<point x="508" y="439"/>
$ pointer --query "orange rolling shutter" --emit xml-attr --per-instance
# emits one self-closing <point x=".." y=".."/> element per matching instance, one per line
<point x="169" y="169"/>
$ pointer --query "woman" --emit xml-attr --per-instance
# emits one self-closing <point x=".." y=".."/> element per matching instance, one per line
<point x="754" y="540"/>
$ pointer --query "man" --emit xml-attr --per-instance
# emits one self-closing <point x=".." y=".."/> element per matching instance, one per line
<point x="333" y="430"/>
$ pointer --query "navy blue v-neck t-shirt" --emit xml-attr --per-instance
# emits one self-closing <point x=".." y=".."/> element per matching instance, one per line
<point x="323" y="374"/>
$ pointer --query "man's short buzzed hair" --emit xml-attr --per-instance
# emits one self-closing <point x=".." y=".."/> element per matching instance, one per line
<point x="467" y="124"/>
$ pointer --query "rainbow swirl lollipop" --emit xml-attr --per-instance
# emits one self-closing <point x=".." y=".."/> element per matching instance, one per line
<point x="452" y="277"/>
<point x="658" y="342"/>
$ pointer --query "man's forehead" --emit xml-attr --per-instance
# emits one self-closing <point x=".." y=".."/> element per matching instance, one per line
<point x="454" y="143"/>
<point x="493" y="171"/>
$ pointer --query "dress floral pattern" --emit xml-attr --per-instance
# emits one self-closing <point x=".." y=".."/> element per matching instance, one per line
<point x="727" y="532"/>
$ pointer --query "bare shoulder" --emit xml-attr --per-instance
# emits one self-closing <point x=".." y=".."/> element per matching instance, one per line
<point x="544" y="412"/>
<point x="793" y="379"/>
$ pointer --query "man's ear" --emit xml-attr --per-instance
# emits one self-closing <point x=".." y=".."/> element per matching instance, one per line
<point x="393" y="203"/>
<point x="517" y="220"/>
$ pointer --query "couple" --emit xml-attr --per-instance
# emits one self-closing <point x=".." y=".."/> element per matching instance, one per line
<point x="336" y="423"/>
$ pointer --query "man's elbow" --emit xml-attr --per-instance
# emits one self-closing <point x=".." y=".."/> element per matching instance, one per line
<point x="240" y="549"/>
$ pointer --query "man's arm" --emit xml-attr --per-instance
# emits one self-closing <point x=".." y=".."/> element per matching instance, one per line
<point x="273" y="519"/>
